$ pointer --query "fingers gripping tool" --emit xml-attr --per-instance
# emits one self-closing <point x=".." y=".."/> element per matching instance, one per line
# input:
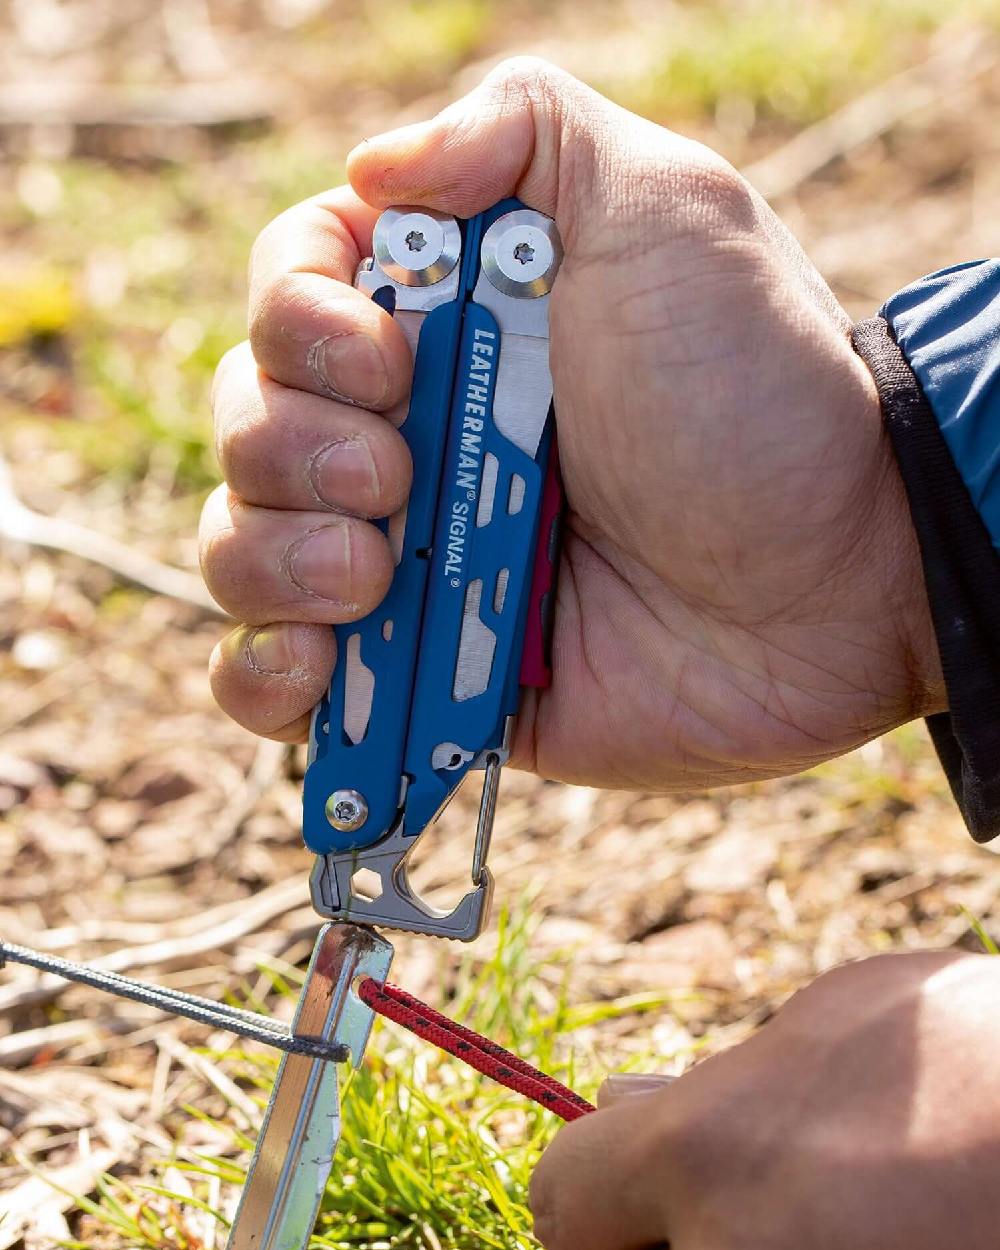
<point x="426" y="687"/>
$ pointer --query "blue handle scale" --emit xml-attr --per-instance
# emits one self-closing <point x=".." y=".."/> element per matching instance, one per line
<point x="425" y="685"/>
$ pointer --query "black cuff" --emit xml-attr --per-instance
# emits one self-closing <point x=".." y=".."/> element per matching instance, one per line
<point x="962" y="571"/>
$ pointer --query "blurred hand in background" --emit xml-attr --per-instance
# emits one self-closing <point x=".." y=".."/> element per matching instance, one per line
<point x="740" y="594"/>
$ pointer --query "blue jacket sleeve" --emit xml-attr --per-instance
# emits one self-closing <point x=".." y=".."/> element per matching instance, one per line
<point x="948" y="329"/>
<point x="934" y="351"/>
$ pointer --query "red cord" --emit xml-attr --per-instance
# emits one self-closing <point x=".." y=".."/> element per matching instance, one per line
<point x="477" y="1051"/>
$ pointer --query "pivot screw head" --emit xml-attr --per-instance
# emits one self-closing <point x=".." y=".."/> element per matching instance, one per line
<point x="521" y="253"/>
<point x="346" y="810"/>
<point x="416" y="246"/>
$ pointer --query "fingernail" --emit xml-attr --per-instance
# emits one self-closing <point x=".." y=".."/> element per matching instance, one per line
<point x="343" y="475"/>
<point x="270" y="650"/>
<point x="320" y="563"/>
<point x="622" y="1085"/>
<point x="351" y="367"/>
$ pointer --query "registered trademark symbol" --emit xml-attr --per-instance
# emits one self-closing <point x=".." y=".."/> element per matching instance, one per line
<point x="454" y="581"/>
<point x="470" y="494"/>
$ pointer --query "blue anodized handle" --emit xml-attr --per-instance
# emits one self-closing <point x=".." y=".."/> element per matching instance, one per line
<point x="366" y="758"/>
<point x="424" y="687"/>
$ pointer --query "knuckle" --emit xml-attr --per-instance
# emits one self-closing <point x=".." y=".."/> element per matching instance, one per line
<point x="271" y="242"/>
<point x="269" y="310"/>
<point x="243" y="442"/>
<point x="841" y="979"/>
<point x="879" y="977"/>
<point x="524" y="82"/>
<point x="215" y="514"/>
<point x="220" y="661"/>
<point x="523" y="70"/>
<point x="234" y="364"/>
<point x="218" y="540"/>
<point x="269" y="704"/>
<point x="243" y="445"/>
<point x="216" y="555"/>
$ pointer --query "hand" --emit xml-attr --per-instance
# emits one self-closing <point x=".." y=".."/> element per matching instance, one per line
<point x="863" y="1117"/>
<point x="740" y="593"/>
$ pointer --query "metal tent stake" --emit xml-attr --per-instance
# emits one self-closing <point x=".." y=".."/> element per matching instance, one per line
<point x="298" y="1139"/>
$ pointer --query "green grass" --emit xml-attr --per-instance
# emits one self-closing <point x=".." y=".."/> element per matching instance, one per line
<point x="136" y="274"/>
<point x="414" y="44"/>
<point x="769" y="60"/>
<point x="140" y="274"/>
<point x="431" y="1155"/>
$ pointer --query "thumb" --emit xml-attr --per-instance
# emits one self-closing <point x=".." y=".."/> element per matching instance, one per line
<point x="596" y="1187"/>
<point x="529" y="129"/>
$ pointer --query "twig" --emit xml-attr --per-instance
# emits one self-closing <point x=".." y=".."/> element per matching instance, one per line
<point x="193" y="44"/>
<point x="47" y="101"/>
<point x="247" y="1111"/>
<point x="52" y="1190"/>
<point x="18" y="1048"/>
<point x="158" y="1089"/>
<point x="875" y="113"/>
<point x="238" y="920"/>
<point x="49" y="1228"/>
<point x="137" y="1034"/>
<point x="210" y="1225"/>
<point x="33" y="699"/>
<point x="267" y="765"/>
<point x="276" y="900"/>
<point x="21" y="524"/>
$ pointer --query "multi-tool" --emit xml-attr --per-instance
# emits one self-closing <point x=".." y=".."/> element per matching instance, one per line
<point x="425" y="688"/>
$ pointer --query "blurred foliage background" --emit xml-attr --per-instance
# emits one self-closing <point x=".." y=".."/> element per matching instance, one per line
<point x="143" y="144"/>
<point x="147" y="141"/>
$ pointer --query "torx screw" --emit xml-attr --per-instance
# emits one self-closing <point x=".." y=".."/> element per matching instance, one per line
<point x="346" y="810"/>
<point x="521" y="253"/>
<point x="416" y="246"/>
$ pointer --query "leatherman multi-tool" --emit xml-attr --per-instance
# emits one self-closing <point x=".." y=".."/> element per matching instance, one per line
<point x="426" y="687"/>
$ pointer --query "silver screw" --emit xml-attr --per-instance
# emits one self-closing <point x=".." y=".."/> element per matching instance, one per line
<point x="416" y="246"/>
<point x="346" y="810"/>
<point x="521" y="253"/>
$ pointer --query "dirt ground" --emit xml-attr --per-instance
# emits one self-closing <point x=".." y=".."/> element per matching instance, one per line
<point x="136" y="819"/>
